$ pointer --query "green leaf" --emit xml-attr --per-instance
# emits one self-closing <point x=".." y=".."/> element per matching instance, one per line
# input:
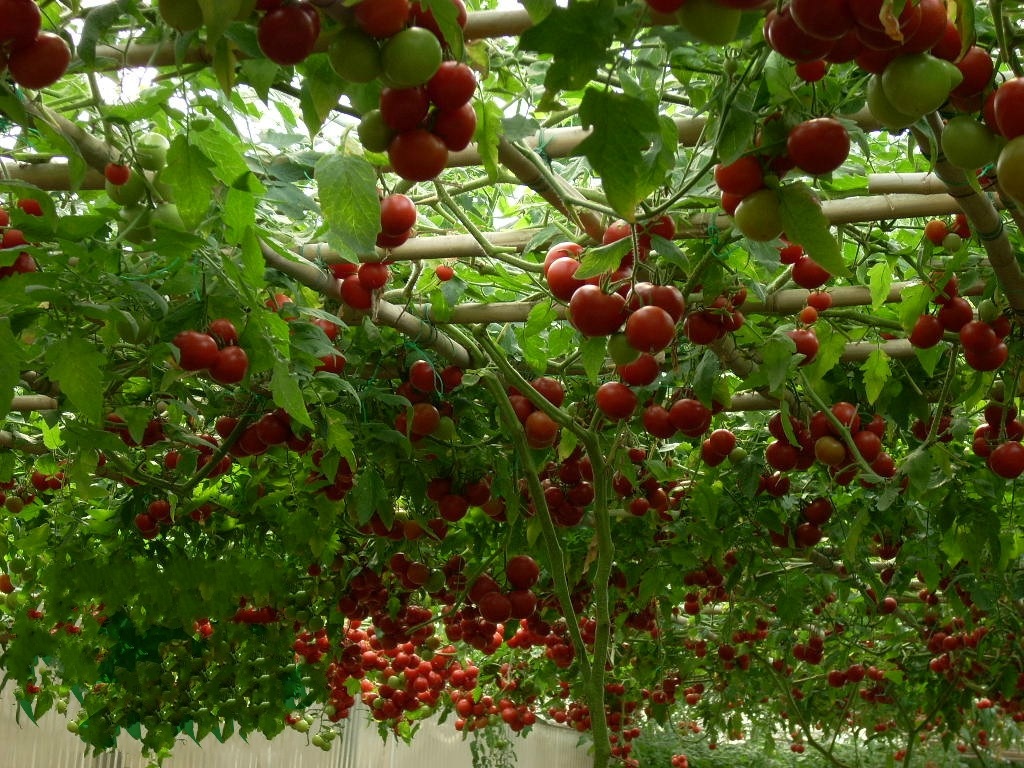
<point x="579" y="37"/>
<point x="604" y="259"/>
<point x="804" y="222"/>
<point x="288" y="394"/>
<point x="10" y="365"/>
<point x="594" y="353"/>
<point x="706" y="376"/>
<point x="489" y="129"/>
<point x="631" y="147"/>
<point x="776" y="357"/>
<point x="534" y="336"/>
<point x="446" y="16"/>
<point x="879" y="283"/>
<point x="189" y="176"/>
<point x="876" y="374"/>
<point x="77" y="366"/>
<point x="321" y="89"/>
<point x="217" y="17"/>
<point x="348" y="197"/>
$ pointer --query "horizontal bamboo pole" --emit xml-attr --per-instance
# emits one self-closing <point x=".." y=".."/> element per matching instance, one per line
<point x="463" y="247"/>
<point x="912" y="183"/>
<point x="26" y="403"/>
<point x="19" y="442"/>
<point x="383" y="313"/>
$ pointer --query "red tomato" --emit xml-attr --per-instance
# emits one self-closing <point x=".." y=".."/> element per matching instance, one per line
<point x="452" y="86"/>
<point x="397" y="215"/>
<point x="818" y="146"/>
<point x="417" y="155"/>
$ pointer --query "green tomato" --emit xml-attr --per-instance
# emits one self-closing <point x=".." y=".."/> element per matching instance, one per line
<point x="759" y="216"/>
<point x="167" y="216"/>
<point x="969" y="144"/>
<point x="183" y="15"/>
<point x="918" y="83"/>
<point x="136" y="224"/>
<point x="883" y="110"/>
<point x="355" y="56"/>
<point x="130" y="193"/>
<point x="374" y="134"/>
<point x="1010" y="169"/>
<point x="411" y="57"/>
<point x="151" y="150"/>
<point x="620" y="350"/>
<point x="708" y="22"/>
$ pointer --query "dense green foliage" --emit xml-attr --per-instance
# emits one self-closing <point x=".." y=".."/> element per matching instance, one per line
<point x="205" y="536"/>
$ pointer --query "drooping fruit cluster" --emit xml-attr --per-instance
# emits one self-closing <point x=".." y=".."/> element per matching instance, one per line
<point x="822" y="439"/>
<point x="998" y="440"/>
<point x="23" y="263"/>
<point x="718" y="317"/>
<point x="216" y="350"/>
<point x="541" y="430"/>
<point x="423" y="388"/>
<point x="425" y="108"/>
<point x="35" y="59"/>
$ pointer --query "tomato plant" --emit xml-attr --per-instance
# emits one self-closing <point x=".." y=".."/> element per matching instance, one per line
<point x="415" y="358"/>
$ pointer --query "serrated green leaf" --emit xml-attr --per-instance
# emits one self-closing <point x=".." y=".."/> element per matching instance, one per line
<point x="189" y="176"/>
<point x="10" y="365"/>
<point x="876" y="374"/>
<point x="776" y="357"/>
<point x="579" y="37"/>
<point x="804" y="222"/>
<point x="489" y="129"/>
<point x="879" y="283"/>
<point x="77" y="366"/>
<point x="593" y="353"/>
<point x="347" y="186"/>
<point x="603" y="260"/>
<point x="446" y="16"/>
<point x="630" y="147"/>
<point x="707" y="374"/>
<point x="288" y="394"/>
<point x="853" y="535"/>
<point x="913" y="301"/>
<point x="225" y="65"/>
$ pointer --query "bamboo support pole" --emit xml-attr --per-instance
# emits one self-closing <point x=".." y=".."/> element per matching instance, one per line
<point x="26" y="403"/>
<point x="383" y="313"/>
<point x="912" y="183"/>
<point x="845" y="211"/>
<point x="19" y="442"/>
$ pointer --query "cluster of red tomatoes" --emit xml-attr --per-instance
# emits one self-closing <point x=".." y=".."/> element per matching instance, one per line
<point x="215" y="350"/>
<point x="824" y="439"/>
<point x="35" y="59"/>
<point x="14" y="238"/>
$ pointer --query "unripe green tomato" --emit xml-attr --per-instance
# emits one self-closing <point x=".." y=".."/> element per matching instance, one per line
<point x="374" y="134"/>
<point x="302" y="726"/>
<point x="183" y="15"/>
<point x="411" y="57"/>
<point x="709" y="22"/>
<point x="620" y="350"/>
<point x="151" y="150"/>
<point x="952" y="242"/>
<point x="317" y="740"/>
<point x="988" y="311"/>
<point x="72" y="726"/>
<point x="919" y="83"/>
<point x="127" y="194"/>
<point x="737" y="454"/>
<point x="883" y="110"/>
<point x="1010" y="169"/>
<point x="355" y="56"/>
<point x="136" y="225"/>
<point x="969" y="144"/>
<point x="445" y="431"/>
<point x="167" y="216"/>
<point x="62" y="706"/>
<point x="758" y="216"/>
